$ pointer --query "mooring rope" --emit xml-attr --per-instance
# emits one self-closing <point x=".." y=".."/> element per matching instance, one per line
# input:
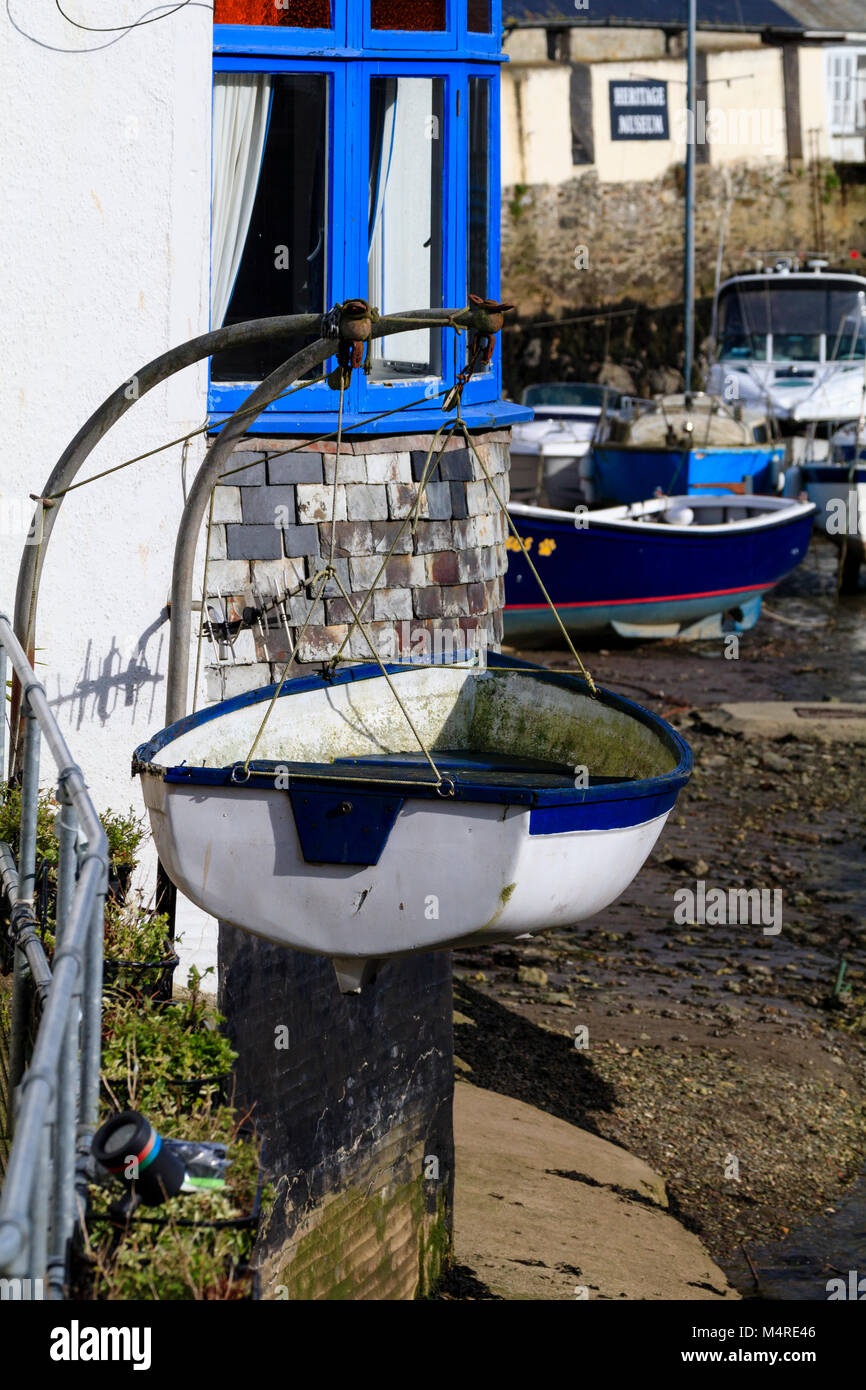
<point x="204" y="597"/>
<point x="454" y="394"/>
<point x="330" y="573"/>
<point x="319" y="581"/>
<point x="504" y="507"/>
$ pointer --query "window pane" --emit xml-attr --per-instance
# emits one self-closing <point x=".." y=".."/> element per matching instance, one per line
<point x="270" y="216"/>
<point x="405" y="217"/>
<point x="479" y="189"/>
<point x="407" y="14"/>
<point x="296" y="14"/>
<point x="479" y="16"/>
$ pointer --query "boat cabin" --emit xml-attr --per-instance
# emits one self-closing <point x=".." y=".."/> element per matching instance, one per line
<point x="794" y="337"/>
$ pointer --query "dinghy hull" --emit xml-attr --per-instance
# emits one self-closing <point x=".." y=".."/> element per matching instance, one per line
<point x="357" y="861"/>
<point x="619" y="569"/>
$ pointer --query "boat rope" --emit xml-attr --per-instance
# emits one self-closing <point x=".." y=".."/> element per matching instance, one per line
<point x="330" y="573"/>
<point x="322" y="579"/>
<point x="517" y="536"/>
<point x="343" y="374"/>
<point x="383" y="668"/>
<point x="796" y="622"/>
<point x="412" y="517"/>
<point x="53" y="497"/>
<point x="343" y="779"/>
<point x="203" y="601"/>
<point x="478" y="350"/>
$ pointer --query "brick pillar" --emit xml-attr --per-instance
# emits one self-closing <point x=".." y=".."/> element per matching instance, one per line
<point x="356" y="1110"/>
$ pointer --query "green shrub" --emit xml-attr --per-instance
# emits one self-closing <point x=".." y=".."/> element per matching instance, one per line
<point x="125" y="834"/>
<point x="132" y="933"/>
<point x="148" y="1048"/>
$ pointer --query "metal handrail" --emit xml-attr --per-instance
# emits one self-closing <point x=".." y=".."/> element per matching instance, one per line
<point x="56" y="1094"/>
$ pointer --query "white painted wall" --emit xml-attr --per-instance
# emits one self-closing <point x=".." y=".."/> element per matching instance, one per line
<point x="745" y="113"/>
<point x="104" y="206"/>
<point x="746" y="107"/>
<point x="536" y="125"/>
<point x="813" y="102"/>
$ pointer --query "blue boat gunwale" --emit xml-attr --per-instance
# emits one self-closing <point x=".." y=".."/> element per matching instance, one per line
<point x="661" y="790"/>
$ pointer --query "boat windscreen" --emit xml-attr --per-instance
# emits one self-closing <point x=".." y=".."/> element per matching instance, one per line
<point x="571" y="393"/>
<point x="797" y="313"/>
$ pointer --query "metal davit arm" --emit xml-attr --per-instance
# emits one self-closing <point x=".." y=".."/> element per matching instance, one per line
<point x="352" y="323"/>
<point x="81" y="447"/>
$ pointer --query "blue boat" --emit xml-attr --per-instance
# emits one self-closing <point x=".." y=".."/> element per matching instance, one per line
<point x="686" y="566"/>
<point x="836" y="483"/>
<point x="683" y="444"/>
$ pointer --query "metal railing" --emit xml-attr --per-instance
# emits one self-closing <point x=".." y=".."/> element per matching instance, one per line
<point x="52" y="1090"/>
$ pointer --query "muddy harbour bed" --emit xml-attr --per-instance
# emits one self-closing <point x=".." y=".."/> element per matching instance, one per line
<point x="730" y="1057"/>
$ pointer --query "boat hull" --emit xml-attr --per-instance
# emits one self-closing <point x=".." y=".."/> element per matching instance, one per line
<point x="649" y="581"/>
<point x="360" y="860"/>
<point x="622" y="474"/>
<point x="241" y="861"/>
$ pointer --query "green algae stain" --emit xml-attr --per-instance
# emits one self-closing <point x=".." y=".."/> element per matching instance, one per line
<point x="504" y="899"/>
<point x="357" y="1248"/>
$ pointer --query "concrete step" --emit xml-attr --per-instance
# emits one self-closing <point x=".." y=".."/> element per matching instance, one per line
<point x="543" y="1210"/>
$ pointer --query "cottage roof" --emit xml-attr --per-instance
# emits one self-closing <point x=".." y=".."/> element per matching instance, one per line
<point x="786" y="17"/>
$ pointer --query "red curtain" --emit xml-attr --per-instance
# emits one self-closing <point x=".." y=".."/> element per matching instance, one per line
<point x="297" y="14"/>
<point x="408" y="14"/>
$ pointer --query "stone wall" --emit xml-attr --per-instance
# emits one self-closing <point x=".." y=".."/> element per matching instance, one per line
<point x="272" y="532"/>
<point x="633" y="232"/>
<point x="356" y="1118"/>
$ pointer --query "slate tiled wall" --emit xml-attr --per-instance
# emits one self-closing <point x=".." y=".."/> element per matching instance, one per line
<point x="271" y="531"/>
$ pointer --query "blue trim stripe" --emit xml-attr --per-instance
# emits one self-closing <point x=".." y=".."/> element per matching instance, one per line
<point x="612" y="814"/>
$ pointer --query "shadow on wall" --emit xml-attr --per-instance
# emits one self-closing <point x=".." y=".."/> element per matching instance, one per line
<point x="125" y="677"/>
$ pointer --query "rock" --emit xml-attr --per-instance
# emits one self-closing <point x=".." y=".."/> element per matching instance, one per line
<point x="612" y="374"/>
<point x="532" y="975"/>
<point x="775" y="763"/>
<point x="700" y="868"/>
<point x="663" y="381"/>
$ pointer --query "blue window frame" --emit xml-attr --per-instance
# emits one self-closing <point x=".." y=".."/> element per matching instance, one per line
<point x="351" y="57"/>
<point x="430" y="40"/>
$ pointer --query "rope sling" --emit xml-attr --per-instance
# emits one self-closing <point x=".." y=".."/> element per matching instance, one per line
<point x="349" y="354"/>
<point x="453" y="401"/>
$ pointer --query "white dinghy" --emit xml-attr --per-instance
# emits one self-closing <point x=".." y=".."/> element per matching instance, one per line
<point x="536" y="807"/>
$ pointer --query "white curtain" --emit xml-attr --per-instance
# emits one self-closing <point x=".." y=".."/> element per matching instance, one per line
<point x="400" y="254"/>
<point x="241" y="109"/>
